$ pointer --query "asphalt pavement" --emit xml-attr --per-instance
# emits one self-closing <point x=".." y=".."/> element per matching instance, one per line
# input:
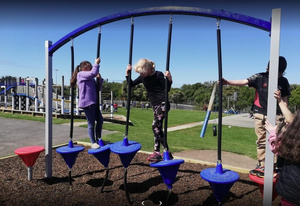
<point x="17" y="133"/>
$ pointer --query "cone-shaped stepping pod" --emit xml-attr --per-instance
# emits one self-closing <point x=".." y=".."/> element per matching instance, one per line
<point x="70" y="152"/>
<point x="220" y="180"/>
<point x="260" y="184"/>
<point x="29" y="156"/>
<point x="168" y="168"/>
<point x="127" y="149"/>
<point x="102" y="154"/>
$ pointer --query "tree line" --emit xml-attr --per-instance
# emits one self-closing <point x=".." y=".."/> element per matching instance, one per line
<point x="197" y="94"/>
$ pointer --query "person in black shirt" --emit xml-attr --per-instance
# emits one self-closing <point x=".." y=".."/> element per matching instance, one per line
<point x="154" y="83"/>
<point x="260" y="82"/>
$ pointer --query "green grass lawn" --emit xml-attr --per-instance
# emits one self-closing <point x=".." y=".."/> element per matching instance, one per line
<point x="235" y="139"/>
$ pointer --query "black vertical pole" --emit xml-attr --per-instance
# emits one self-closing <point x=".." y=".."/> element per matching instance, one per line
<point x="98" y="80"/>
<point x="72" y="91"/>
<point x="220" y="90"/>
<point x="166" y="83"/>
<point x="98" y="43"/>
<point x="128" y="103"/>
<point x="129" y="78"/>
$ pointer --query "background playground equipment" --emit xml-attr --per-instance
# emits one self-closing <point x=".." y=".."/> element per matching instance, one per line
<point x="238" y="18"/>
<point x="24" y="93"/>
<point x="63" y="105"/>
<point x="21" y="95"/>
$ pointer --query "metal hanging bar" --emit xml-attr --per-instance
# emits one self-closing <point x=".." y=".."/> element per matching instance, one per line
<point x="129" y="77"/>
<point x="98" y="81"/>
<point x="220" y="91"/>
<point x="72" y="92"/>
<point x="167" y="83"/>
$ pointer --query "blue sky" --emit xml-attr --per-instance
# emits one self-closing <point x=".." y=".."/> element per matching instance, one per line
<point x="25" y="26"/>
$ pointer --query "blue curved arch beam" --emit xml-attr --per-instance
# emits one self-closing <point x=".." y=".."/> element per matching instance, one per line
<point x="221" y="14"/>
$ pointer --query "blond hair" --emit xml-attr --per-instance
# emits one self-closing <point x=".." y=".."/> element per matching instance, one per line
<point x="143" y="65"/>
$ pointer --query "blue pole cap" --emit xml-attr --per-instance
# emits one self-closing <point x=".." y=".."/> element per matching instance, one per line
<point x="70" y="144"/>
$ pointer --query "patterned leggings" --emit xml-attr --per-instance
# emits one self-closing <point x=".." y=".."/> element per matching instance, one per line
<point x="157" y="126"/>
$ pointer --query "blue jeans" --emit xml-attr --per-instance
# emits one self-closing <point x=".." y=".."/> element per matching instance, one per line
<point x="93" y="114"/>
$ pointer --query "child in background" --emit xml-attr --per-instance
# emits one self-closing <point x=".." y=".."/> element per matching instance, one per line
<point x="285" y="141"/>
<point x="84" y="75"/>
<point x="154" y="83"/>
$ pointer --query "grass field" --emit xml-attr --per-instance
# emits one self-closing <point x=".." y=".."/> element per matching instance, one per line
<point x="235" y="139"/>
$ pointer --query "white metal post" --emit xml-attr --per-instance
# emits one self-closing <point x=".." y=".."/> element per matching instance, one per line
<point x="13" y="102"/>
<point x="20" y="102"/>
<point x="271" y="111"/>
<point x="62" y="103"/>
<point x="77" y="101"/>
<point x="27" y="95"/>
<point x="70" y="100"/>
<point x="36" y="96"/>
<point x="100" y="100"/>
<point x="111" y="105"/>
<point x="48" y="111"/>
<point x="5" y="95"/>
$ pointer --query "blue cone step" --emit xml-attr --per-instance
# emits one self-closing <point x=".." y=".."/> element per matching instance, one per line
<point x="220" y="180"/>
<point x="168" y="169"/>
<point x="126" y="150"/>
<point x="70" y="153"/>
<point x="102" y="154"/>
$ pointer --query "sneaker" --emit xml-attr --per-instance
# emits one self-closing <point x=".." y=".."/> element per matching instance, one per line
<point x="155" y="157"/>
<point x="95" y="146"/>
<point x="259" y="171"/>
<point x="261" y="174"/>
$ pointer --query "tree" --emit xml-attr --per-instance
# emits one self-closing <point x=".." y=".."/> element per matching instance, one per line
<point x="294" y="100"/>
<point x="8" y="79"/>
<point x="138" y="92"/>
<point x="115" y="87"/>
<point x="245" y="98"/>
<point x="176" y="96"/>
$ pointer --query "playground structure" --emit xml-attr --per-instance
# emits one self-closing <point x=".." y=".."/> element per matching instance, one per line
<point x="250" y="21"/>
<point x="26" y="94"/>
<point x="23" y="94"/>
